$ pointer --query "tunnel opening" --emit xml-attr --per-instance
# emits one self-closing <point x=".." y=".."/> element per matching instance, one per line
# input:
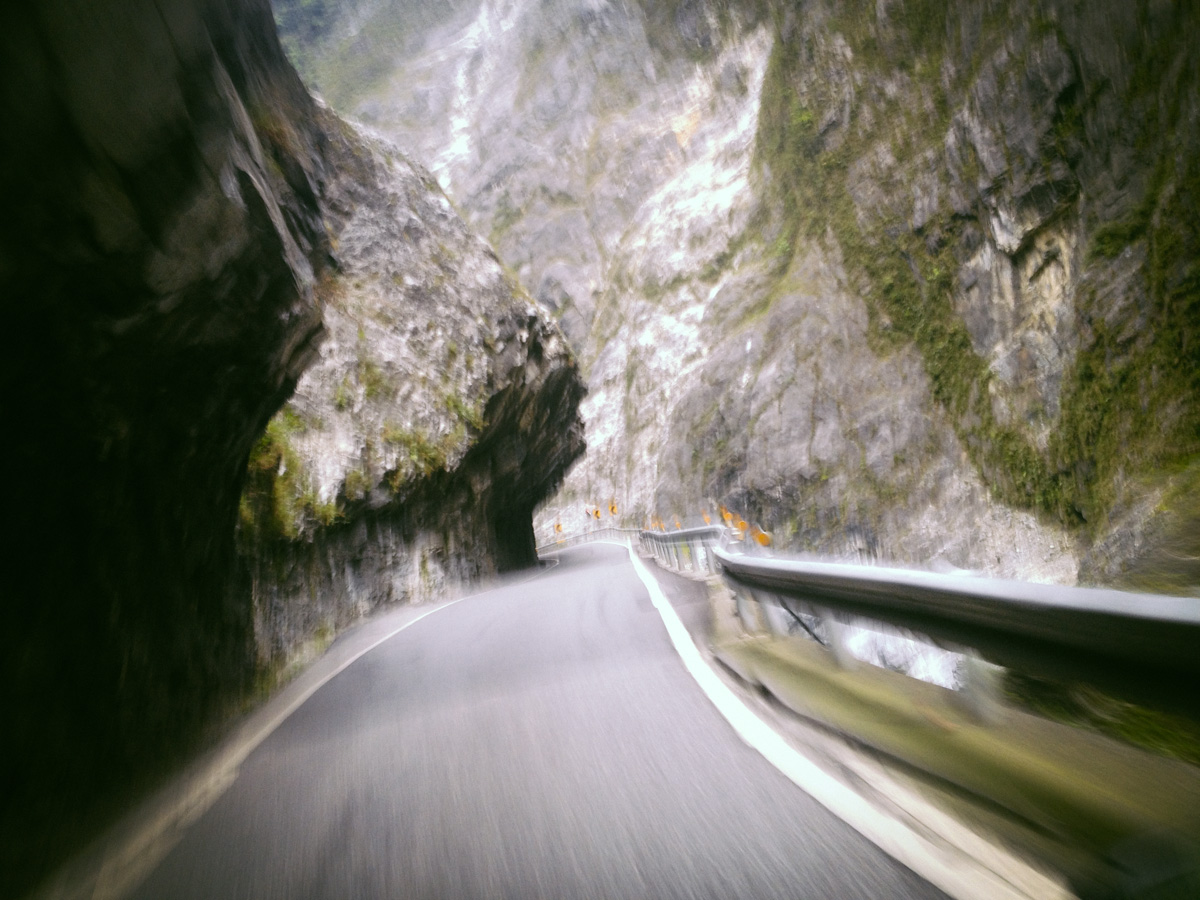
<point x="515" y="545"/>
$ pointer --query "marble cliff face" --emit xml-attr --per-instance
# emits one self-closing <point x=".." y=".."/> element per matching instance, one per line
<point x="442" y="408"/>
<point x="892" y="280"/>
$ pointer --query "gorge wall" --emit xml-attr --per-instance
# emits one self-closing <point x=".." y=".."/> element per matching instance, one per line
<point x="442" y="409"/>
<point x="902" y="280"/>
<point x="159" y="247"/>
<point x="186" y="234"/>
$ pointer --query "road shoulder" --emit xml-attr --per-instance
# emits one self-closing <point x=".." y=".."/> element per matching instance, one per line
<point x="851" y="783"/>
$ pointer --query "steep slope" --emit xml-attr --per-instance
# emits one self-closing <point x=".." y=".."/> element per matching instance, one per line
<point x="184" y="227"/>
<point x="1013" y="189"/>
<point x="905" y="279"/>
<point x="442" y="410"/>
<point x="157" y="258"/>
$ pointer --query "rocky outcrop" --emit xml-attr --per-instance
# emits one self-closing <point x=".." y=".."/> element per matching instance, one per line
<point x="442" y="410"/>
<point x="184" y="225"/>
<point x="909" y="280"/>
<point x="1009" y="197"/>
<point x="157" y="257"/>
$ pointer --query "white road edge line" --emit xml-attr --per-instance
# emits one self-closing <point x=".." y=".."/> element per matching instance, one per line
<point x="955" y="873"/>
<point x="125" y="868"/>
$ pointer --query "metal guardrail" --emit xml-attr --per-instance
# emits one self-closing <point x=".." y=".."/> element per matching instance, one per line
<point x="1142" y="646"/>
<point x="686" y="549"/>
<point x="583" y="537"/>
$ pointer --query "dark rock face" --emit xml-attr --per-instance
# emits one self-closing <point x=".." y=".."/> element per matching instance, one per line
<point x="450" y="527"/>
<point x="156" y="260"/>
<point x="442" y="409"/>
<point x="171" y="190"/>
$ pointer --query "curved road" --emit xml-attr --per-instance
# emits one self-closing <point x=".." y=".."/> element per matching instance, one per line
<point x="542" y="740"/>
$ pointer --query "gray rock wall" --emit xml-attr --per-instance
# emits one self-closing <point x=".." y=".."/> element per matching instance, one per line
<point x="157" y="256"/>
<point x="915" y="280"/>
<point x="184" y="226"/>
<point x="1005" y="184"/>
<point x="442" y="408"/>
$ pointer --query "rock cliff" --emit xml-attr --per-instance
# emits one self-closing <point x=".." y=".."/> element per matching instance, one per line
<point x="186" y="233"/>
<point x="896" y="279"/>
<point x="442" y="409"/>
<point x="157" y="256"/>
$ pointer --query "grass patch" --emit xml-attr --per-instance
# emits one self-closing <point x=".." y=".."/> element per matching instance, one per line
<point x="422" y="455"/>
<point x="1084" y="706"/>
<point x="376" y="384"/>
<point x="469" y="413"/>
<point x="279" y="501"/>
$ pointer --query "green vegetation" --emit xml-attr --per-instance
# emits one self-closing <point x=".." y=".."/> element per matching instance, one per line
<point x="424" y="455"/>
<point x="1051" y="789"/>
<point x="1173" y="564"/>
<point x="1084" y="706"/>
<point x="375" y="383"/>
<point x="279" y="501"/>
<point x="281" y="669"/>
<point x="468" y="413"/>
<point x="357" y="484"/>
<point x="1129" y="403"/>
<point x="343" y="395"/>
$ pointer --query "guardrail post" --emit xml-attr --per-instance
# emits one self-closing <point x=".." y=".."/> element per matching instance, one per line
<point x="743" y="612"/>
<point x="774" y="616"/>
<point x="750" y="612"/>
<point x="983" y="691"/>
<point x="837" y="632"/>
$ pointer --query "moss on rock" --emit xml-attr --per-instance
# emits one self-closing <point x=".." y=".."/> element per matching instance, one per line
<point x="1130" y="402"/>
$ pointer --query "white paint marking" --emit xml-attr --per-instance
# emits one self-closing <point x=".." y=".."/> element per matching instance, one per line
<point x="124" y="868"/>
<point x="957" y="874"/>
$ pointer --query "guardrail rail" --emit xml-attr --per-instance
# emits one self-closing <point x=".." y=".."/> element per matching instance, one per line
<point x="1146" y="646"/>
<point x="583" y="537"/>
<point x="1047" y="773"/>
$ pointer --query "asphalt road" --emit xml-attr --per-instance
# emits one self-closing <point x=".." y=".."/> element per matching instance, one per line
<point x="539" y="740"/>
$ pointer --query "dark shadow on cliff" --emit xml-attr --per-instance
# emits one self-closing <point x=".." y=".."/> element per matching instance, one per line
<point x="160" y="229"/>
